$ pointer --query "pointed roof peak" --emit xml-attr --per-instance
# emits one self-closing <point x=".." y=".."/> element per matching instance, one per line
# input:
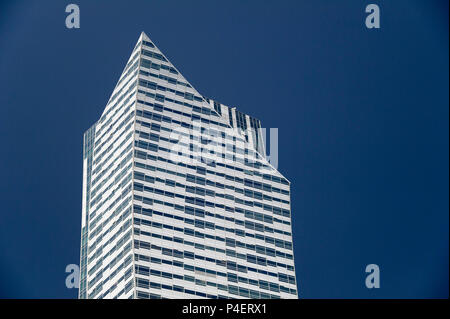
<point x="144" y="36"/>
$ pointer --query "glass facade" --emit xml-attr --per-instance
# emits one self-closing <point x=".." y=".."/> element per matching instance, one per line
<point x="179" y="200"/>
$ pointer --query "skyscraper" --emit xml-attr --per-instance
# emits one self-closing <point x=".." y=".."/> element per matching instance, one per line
<point x="179" y="200"/>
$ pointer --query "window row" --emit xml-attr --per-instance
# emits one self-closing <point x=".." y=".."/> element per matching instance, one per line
<point x="257" y="260"/>
<point x="229" y="276"/>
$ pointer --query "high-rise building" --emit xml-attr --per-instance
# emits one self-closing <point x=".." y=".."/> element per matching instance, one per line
<point x="179" y="200"/>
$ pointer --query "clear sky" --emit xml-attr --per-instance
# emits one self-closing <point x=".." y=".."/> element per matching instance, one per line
<point x="363" y="118"/>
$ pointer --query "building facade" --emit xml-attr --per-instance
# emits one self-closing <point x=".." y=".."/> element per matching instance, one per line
<point x="179" y="200"/>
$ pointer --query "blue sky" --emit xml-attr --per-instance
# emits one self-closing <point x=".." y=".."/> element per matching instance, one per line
<point x="362" y="117"/>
